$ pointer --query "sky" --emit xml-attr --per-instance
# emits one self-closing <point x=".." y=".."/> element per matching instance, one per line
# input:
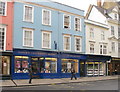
<point x="80" y="4"/>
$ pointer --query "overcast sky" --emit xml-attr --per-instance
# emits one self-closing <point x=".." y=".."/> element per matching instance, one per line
<point x="81" y="4"/>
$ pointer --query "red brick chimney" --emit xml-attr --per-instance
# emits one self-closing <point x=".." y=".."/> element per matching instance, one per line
<point x="99" y="3"/>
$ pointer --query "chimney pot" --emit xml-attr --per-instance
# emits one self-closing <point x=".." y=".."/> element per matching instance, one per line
<point x="99" y="3"/>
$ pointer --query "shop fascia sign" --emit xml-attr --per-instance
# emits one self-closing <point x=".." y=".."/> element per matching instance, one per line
<point x="36" y="53"/>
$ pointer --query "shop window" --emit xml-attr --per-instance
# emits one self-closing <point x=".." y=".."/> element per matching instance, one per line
<point x="21" y="64"/>
<point x="68" y="64"/>
<point x="50" y="65"/>
<point x="5" y="65"/>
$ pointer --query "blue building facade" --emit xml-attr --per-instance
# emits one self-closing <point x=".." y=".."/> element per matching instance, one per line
<point x="50" y="37"/>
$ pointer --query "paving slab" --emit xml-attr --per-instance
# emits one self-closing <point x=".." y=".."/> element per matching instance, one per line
<point x="25" y="82"/>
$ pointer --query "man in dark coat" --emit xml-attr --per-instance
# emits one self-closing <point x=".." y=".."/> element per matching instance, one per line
<point x="30" y="74"/>
<point x="73" y="74"/>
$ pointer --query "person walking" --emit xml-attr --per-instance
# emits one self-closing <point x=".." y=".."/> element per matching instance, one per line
<point x="30" y="74"/>
<point x="73" y="74"/>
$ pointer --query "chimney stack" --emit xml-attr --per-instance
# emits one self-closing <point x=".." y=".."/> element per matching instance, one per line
<point x="99" y="3"/>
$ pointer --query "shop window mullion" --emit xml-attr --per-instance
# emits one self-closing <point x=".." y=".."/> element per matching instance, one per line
<point x="93" y="68"/>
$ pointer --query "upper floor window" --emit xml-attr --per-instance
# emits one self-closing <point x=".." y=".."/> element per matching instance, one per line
<point x="91" y="48"/>
<point x="28" y="37"/>
<point x="67" y="21"/>
<point x="46" y="39"/>
<point x="2" y="38"/>
<point x="112" y="30"/>
<point x="119" y="47"/>
<point x="103" y="49"/>
<point x="77" y="24"/>
<point x="119" y="32"/>
<point x="28" y="13"/>
<point x="46" y="17"/>
<point x="67" y="43"/>
<point x="113" y="46"/>
<point x="116" y="16"/>
<point x="2" y="8"/>
<point x="102" y="35"/>
<point x="91" y="33"/>
<point x="78" y="44"/>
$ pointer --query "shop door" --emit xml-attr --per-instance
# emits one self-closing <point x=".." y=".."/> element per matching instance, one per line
<point x="82" y="69"/>
<point x="35" y="66"/>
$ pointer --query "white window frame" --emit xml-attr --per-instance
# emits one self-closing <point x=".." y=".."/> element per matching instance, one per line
<point x="5" y="9"/>
<point x="92" y="33"/>
<point x="103" y="49"/>
<point x="49" y="19"/>
<point x="113" y="46"/>
<point x="112" y="31"/>
<point x="32" y="20"/>
<point x="92" y="48"/>
<point x="75" y="23"/>
<point x="64" y="41"/>
<point x="32" y="37"/>
<point x="69" y="21"/>
<point x="49" y="39"/>
<point x="2" y="26"/>
<point x="102" y="35"/>
<point x="80" y="44"/>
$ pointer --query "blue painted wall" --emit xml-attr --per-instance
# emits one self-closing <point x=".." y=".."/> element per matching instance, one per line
<point x="56" y="26"/>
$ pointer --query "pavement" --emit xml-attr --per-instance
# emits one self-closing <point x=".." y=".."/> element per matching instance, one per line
<point x="24" y="82"/>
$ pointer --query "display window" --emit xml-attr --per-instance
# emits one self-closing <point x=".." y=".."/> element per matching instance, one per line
<point x="5" y="65"/>
<point x="21" y="64"/>
<point x="95" y="68"/>
<point x="50" y="65"/>
<point x="68" y="64"/>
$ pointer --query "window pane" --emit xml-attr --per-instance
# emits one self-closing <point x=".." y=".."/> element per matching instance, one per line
<point x="50" y="65"/>
<point x="46" y="40"/>
<point x="2" y="8"/>
<point x="46" y="17"/>
<point x="2" y="38"/>
<point x="21" y="64"/>
<point x="67" y="64"/>
<point x="28" y="13"/>
<point x="28" y="37"/>
<point x="66" y="21"/>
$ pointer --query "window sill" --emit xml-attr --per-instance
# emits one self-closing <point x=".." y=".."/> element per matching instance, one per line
<point x="47" y="25"/>
<point x="28" y="46"/>
<point x="28" y="21"/>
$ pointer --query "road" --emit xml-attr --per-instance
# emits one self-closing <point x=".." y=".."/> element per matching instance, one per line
<point x="100" y="86"/>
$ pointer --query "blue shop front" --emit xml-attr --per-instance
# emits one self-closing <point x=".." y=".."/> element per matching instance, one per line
<point x="45" y="64"/>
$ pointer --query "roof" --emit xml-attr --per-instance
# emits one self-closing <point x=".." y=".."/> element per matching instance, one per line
<point x="100" y="9"/>
<point x="103" y="11"/>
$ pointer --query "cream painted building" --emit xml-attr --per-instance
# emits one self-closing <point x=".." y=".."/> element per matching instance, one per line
<point x="103" y="34"/>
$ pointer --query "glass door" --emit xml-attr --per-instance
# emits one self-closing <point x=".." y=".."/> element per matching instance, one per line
<point x="35" y="65"/>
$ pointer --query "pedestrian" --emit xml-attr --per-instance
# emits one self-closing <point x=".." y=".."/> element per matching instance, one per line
<point x="73" y="74"/>
<point x="30" y="74"/>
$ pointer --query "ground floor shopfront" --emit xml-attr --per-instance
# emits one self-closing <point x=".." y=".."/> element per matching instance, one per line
<point x="95" y="65"/>
<point x="114" y="66"/>
<point x="45" y="64"/>
<point x="5" y="64"/>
